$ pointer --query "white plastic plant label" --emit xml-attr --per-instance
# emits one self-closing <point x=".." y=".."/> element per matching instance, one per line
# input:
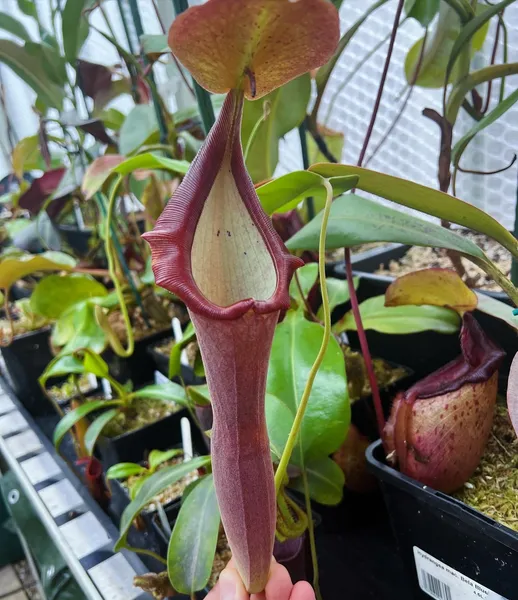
<point x="23" y="443"/>
<point x="442" y="582"/>
<point x="160" y="378"/>
<point x="114" y="578"/>
<point x="40" y="467"/>
<point x="85" y="535"/>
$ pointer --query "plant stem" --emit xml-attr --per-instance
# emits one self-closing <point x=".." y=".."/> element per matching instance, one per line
<point x="113" y="274"/>
<point x="355" y="70"/>
<point x="255" y="129"/>
<point x="202" y="96"/>
<point x="405" y="101"/>
<point x="380" y="418"/>
<point x="311" y="532"/>
<point x="493" y="58"/>
<point x="160" y="117"/>
<point x="382" y="82"/>
<point x="347" y="252"/>
<point x="297" y="422"/>
<point x="310" y="203"/>
<point x="122" y="261"/>
<point x="491" y="269"/>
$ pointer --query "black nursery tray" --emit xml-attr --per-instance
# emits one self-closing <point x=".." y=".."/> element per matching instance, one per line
<point x="450" y="550"/>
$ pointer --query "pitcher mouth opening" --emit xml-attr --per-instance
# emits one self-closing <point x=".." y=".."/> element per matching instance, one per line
<point x="213" y="246"/>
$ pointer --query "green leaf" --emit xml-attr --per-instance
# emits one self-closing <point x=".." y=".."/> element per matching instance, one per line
<point x="112" y="118"/>
<point x="54" y="65"/>
<point x="471" y="28"/>
<point x="94" y="364"/>
<point x="325" y="481"/>
<point x="468" y="83"/>
<point x="401" y="319"/>
<point x="168" y="392"/>
<point x="286" y="192"/>
<point x="307" y="276"/>
<point x="338" y="291"/>
<point x="463" y="8"/>
<point x="137" y="129"/>
<point x="495" y="308"/>
<point x="279" y="419"/>
<point x="176" y="351"/>
<point x="489" y="118"/>
<point x="13" y="268"/>
<point x="423" y="11"/>
<point x="77" y="328"/>
<point x="75" y="415"/>
<point x="438" y="50"/>
<point x="427" y="200"/>
<point x="96" y="428"/>
<point x="355" y="220"/>
<point x="12" y="25"/>
<point x="157" y="457"/>
<point x="334" y="141"/>
<point x="74" y="29"/>
<point x="199" y="394"/>
<point x="31" y="69"/>
<point x="61" y="365"/>
<point x="154" y="46"/>
<point x="124" y="470"/>
<point x="155" y="484"/>
<point x="193" y="542"/>
<point x="28" y="7"/>
<point x="295" y="346"/>
<point x="54" y="294"/>
<point x="324" y="73"/>
<point x="103" y="168"/>
<point x="286" y="108"/>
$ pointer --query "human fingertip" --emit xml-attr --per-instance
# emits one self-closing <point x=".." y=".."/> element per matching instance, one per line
<point x="302" y="590"/>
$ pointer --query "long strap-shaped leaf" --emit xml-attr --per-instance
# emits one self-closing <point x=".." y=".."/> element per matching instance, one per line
<point x="154" y="485"/>
<point x="490" y="118"/>
<point x="465" y="85"/>
<point x="463" y="9"/>
<point x="469" y="30"/>
<point x="424" y="199"/>
<point x="194" y="539"/>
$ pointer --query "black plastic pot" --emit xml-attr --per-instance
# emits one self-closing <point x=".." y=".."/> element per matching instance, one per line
<point x="366" y="263"/>
<point x="447" y="547"/>
<point x="161" y="362"/>
<point x="427" y="351"/>
<point x="140" y="366"/>
<point x="77" y="239"/>
<point x="363" y="414"/>
<point x="120" y="500"/>
<point x="161" y="435"/>
<point x="25" y="359"/>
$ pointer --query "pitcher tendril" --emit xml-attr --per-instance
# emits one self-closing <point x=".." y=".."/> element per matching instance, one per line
<point x="292" y="438"/>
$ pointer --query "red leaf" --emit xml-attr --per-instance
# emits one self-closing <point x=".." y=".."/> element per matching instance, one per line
<point x="34" y="198"/>
<point x="93" y="78"/>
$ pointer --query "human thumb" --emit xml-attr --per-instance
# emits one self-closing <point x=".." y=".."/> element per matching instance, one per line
<point x="230" y="586"/>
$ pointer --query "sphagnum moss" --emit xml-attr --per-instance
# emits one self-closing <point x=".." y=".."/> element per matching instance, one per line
<point x="493" y="489"/>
